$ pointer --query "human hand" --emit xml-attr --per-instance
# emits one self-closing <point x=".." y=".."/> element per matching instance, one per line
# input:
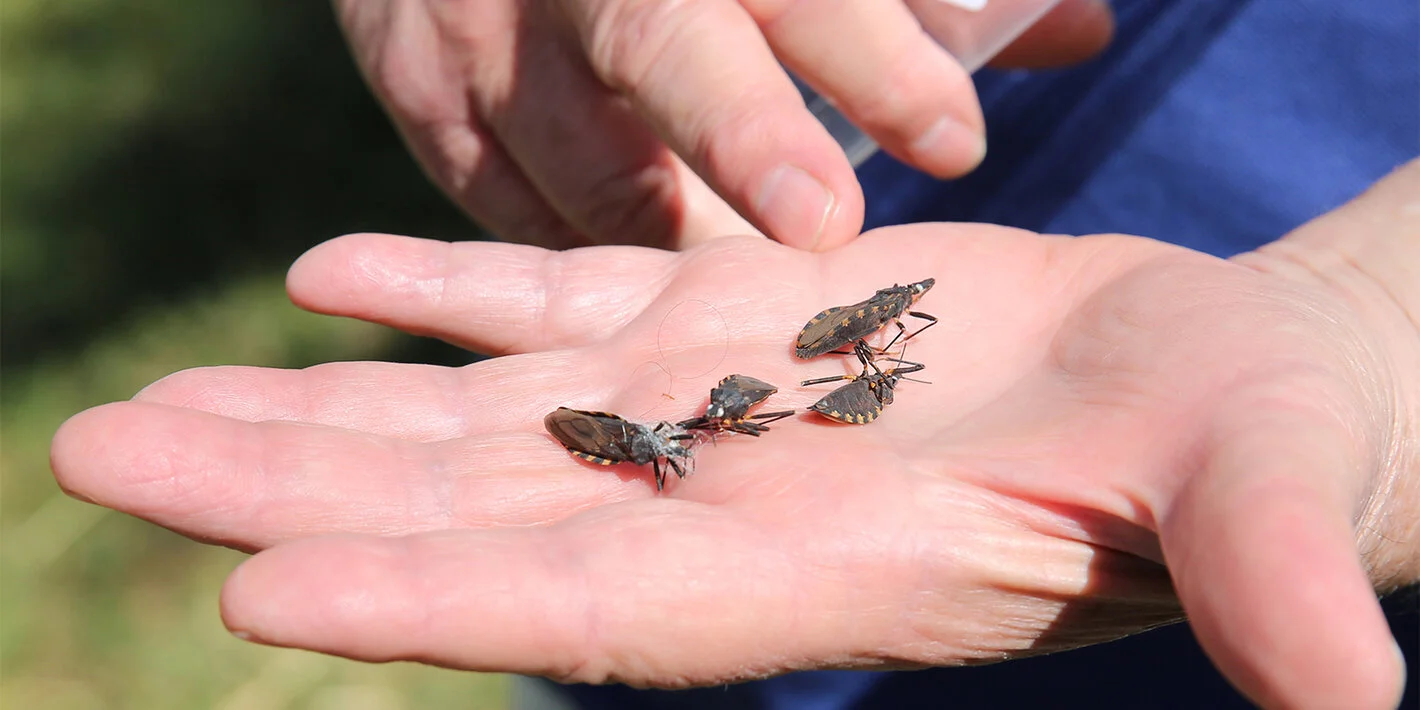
<point x="1099" y="407"/>
<point x="605" y="121"/>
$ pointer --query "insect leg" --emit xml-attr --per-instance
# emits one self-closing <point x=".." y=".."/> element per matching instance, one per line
<point x="867" y="355"/>
<point x="822" y="380"/>
<point x="769" y="417"/>
<point x="910" y="367"/>
<point x="675" y="466"/>
<point x="902" y="329"/>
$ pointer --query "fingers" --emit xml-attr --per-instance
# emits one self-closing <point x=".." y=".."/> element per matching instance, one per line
<point x="585" y="150"/>
<point x="404" y="54"/>
<point x="250" y="485"/>
<point x="1264" y="558"/>
<point x="418" y="403"/>
<point x="501" y="298"/>
<point x="1072" y="32"/>
<point x="562" y="147"/>
<point x="733" y="116"/>
<point x="422" y="403"/>
<point x="486" y="297"/>
<point x="465" y="159"/>
<point x="635" y="592"/>
<point x="878" y="67"/>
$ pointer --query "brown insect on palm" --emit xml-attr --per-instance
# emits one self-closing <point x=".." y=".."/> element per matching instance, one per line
<point x="730" y="402"/>
<point x="605" y="439"/>
<point x="844" y="325"/>
<point x="862" y="400"/>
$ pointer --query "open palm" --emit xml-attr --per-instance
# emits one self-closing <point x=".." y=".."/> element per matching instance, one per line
<point x="1093" y="409"/>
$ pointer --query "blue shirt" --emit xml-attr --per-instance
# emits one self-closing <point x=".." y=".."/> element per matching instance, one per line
<point x="1218" y="125"/>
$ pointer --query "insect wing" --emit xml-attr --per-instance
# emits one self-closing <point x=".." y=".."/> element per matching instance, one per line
<point x="840" y="326"/>
<point x="822" y="333"/>
<point x="598" y="437"/>
<point x="737" y="394"/>
<point x="853" y="403"/>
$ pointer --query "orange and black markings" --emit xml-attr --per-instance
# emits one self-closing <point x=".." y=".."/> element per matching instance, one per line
<point x="730" y="402"/>
<point x="844" y="325"/>
<point x="861" y="400"/>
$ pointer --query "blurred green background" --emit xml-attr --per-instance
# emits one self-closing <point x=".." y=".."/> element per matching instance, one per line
<point x="161" y="165"/>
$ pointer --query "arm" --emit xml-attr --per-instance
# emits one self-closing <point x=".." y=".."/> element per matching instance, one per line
<point x="1118" y="431"/>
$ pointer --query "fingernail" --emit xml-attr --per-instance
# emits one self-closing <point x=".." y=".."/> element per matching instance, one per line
<point x="949" y="143"/>
<point x="794" y="206"/>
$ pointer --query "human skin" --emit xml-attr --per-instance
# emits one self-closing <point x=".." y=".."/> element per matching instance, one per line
<point x="581" y="122"/>
<point x="1117" y="431"/>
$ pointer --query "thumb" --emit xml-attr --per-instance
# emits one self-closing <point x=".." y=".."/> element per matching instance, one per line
<point x="1262" y="549"/>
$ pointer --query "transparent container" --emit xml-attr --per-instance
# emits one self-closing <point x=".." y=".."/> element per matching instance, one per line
<point x="972" y="31"/>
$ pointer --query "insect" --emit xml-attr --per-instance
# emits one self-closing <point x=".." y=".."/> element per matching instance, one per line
<point x="841" y="325"/>
<point x="730" y="402"/>
<point x="863" y="399"/>
<point x="606" y="439"/>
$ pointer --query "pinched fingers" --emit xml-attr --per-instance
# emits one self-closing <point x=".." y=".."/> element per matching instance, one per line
<point x="702" y="75"/>
<point x="874" y="62"/>
<point x="504" y="114"/>
<point x="413" y="63"/>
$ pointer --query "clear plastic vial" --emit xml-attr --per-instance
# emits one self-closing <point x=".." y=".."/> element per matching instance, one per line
<point x="972" y="31"/>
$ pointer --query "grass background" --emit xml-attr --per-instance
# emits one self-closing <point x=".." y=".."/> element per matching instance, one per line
<point x="161" y="165"/>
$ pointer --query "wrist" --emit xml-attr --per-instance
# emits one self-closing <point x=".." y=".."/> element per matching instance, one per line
<point x="1366" y="256"/>
<point x="1370" y="247"/>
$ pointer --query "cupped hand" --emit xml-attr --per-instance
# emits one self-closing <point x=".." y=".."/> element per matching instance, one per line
<point x="1094" y="409"/>
<point x="616" y="122"/>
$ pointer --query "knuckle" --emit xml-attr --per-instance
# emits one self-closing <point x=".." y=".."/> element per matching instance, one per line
<point x="721" y="137"/>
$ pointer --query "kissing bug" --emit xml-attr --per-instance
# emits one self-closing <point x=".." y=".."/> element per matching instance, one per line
<point x="863" y="399"/>
<point x="841" y="325"/>
<point x="730" y="402"/>
<point x="606" y="439"/>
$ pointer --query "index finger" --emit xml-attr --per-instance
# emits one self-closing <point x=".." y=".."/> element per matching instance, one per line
<point x="704" y="77"/>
